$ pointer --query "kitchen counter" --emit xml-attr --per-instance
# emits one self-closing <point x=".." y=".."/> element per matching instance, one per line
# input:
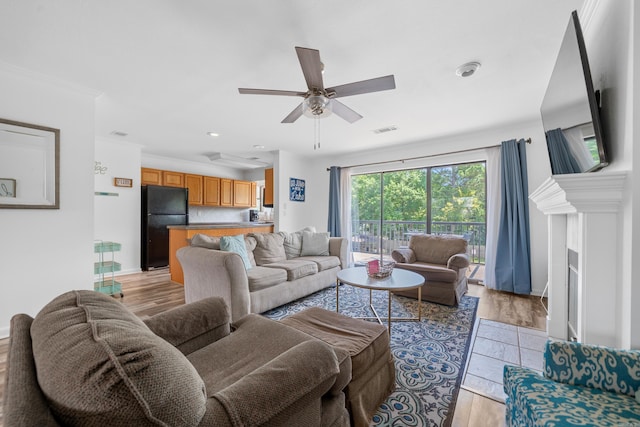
<point x="180" y="235"/>
<point x="215" y="225"/>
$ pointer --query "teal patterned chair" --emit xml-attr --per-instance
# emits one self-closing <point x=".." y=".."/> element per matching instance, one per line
<point x="582" y="385"/>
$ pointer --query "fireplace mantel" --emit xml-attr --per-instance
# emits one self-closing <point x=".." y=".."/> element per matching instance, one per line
<point x="583" y="214"/>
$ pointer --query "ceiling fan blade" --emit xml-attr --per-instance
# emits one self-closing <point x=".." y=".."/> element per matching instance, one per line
<point x="246" y="91"/>
<point x="294" y="115"/>
<point x="343" y="111"/>
<point x="365" y="86"/>
<point x="311" y="67"/>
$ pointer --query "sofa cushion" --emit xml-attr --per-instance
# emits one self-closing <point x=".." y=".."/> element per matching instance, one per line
<point x="293" y="242"/>
<point x="237" y="245"/>
<point x="314" y="244"/>
<point x="323" y="262"/>
<point x="250" y="242"/>
<point x="98" y="364"/>
<point x="436" y="249"/>
<point x="204" y="241"/>
<point x="295" y="268"/>
<point x="269" y="248"/>
<point x="263" y="277"/>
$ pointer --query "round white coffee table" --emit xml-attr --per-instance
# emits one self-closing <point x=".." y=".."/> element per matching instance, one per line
<point x="399" y="280"/>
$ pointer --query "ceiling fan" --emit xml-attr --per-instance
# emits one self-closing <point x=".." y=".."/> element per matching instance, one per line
<point x="318" y="100"/>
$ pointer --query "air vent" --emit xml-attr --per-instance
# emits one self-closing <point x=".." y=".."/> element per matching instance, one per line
<point x="387" y="129"/>
<point x="118" y="133"/>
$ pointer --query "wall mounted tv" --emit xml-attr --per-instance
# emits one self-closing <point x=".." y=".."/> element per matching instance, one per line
<point x="570" y="109"/>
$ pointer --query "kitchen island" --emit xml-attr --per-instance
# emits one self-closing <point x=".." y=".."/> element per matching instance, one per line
<point x="179" y="236"/>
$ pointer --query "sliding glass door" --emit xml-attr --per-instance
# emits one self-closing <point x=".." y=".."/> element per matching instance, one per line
<point x="388" y="207"/>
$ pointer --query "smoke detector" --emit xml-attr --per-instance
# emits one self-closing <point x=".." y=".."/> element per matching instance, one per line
<point x="468" y="69"/>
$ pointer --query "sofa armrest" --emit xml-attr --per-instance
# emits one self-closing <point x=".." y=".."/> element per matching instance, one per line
<point x="304" y="372"/>
<point x="338" y="246"/>
<point x="458" y="261"/>
<point x="213" y="273"/>
<point x="192" y="326"/>
<point x="403" y="255"/>
<point x="604" y="368"/>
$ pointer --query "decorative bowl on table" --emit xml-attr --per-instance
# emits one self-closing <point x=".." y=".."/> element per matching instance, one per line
<point x="379" y="269"/>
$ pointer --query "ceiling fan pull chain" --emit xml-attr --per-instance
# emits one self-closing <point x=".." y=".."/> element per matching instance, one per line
<point x="316" y="132"/>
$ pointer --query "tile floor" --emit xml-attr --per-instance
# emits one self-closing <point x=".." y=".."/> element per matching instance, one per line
<point x="495" y="344"/>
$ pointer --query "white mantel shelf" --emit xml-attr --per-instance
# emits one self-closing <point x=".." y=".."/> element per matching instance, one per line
<point x="583" y="215"/>
<point x="575" y="193"/>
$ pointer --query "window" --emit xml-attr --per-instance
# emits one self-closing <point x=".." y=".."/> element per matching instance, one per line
<point x="388" y="207"/>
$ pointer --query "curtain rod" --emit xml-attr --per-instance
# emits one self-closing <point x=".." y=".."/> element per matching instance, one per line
<point x="528" y="141"/>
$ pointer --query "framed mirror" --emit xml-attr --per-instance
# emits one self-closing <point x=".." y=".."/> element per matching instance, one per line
<point x="29" y="166"/>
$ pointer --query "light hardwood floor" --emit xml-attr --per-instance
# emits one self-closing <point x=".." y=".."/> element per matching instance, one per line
<point x="152" y="292"/>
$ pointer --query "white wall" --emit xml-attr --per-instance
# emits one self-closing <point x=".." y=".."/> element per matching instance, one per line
<point x="292" y="215"/>
<point x="609" y="31"/>
<point x="117" y="218"/>
<point x="46" y="252"/>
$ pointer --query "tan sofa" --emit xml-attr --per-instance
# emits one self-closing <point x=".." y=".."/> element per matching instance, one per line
<point x="283" y="267"/>
<point x="442" y="260"/>
<point x="87" y="360"/>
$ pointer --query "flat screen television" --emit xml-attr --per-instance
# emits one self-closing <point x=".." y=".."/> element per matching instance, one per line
<point x="571" y="109"/>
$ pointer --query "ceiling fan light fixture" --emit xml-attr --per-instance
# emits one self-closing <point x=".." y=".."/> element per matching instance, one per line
<point x="468" y="69"/>
<point x="316" y="106"/>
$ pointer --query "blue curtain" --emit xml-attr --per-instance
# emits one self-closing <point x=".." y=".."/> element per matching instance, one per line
<point x="334" y="202"/>
<point x="513" y="263"/>
<point x="562" y="160"/>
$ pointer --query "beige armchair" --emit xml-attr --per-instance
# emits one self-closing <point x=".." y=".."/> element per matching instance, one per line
<point x="442" y="260"/>
<point x="87" y="360"/>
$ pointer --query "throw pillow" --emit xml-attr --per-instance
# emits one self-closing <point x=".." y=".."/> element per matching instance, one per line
<point x="293" y="242"/>
<point x="236" y="244"/>
<point x="314" y="244"/>
<point x="204" y="241"/>
<point x="269" y="248"/>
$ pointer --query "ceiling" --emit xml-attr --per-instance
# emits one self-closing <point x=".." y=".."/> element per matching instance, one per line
<point x="169" y="70"/>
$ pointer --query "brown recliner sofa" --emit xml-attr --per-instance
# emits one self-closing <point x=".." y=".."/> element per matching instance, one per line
<point x="87" y="360"/>
<point x="442" y="260"/>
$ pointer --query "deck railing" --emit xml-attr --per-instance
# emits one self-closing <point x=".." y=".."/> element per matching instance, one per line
<point x="369" y="236"/>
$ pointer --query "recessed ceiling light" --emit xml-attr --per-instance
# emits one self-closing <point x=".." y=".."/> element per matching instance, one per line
<point x="119" y="133"/>
<point x="213" y="134"/>
<point x="467" y="70"/>
<point x="258" y="147"/>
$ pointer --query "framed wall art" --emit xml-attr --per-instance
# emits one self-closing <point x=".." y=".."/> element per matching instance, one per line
<point x="296" y="189"/>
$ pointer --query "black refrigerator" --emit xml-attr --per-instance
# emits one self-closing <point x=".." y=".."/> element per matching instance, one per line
<point x="161" y="206"/>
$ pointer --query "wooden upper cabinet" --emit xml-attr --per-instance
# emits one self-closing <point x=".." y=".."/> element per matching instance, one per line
<point x="173" y="179"/>
<point x="242" y="194"/>
<point x="150" y="176"/>
<point x="211" y="193"/>
<point x="194" y="184"/>
<point x="226" y="192"/>
<point x="254" y="189"/>
<point x="268" y="187"/>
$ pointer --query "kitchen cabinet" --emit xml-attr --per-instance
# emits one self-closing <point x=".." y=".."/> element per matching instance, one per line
<point x="226" y="192"/>
<point x="173" y="179"/>
<point x="268" y="188"/>
<point x="254" y="188"/>
<point x="195" y="187"/>
<point x="211" y="192"/>
<point x="242" y="194"/>
<point x="150" y="176"/>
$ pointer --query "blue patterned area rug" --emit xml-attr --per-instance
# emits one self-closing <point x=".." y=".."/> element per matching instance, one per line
<point x="430" y="355"/>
